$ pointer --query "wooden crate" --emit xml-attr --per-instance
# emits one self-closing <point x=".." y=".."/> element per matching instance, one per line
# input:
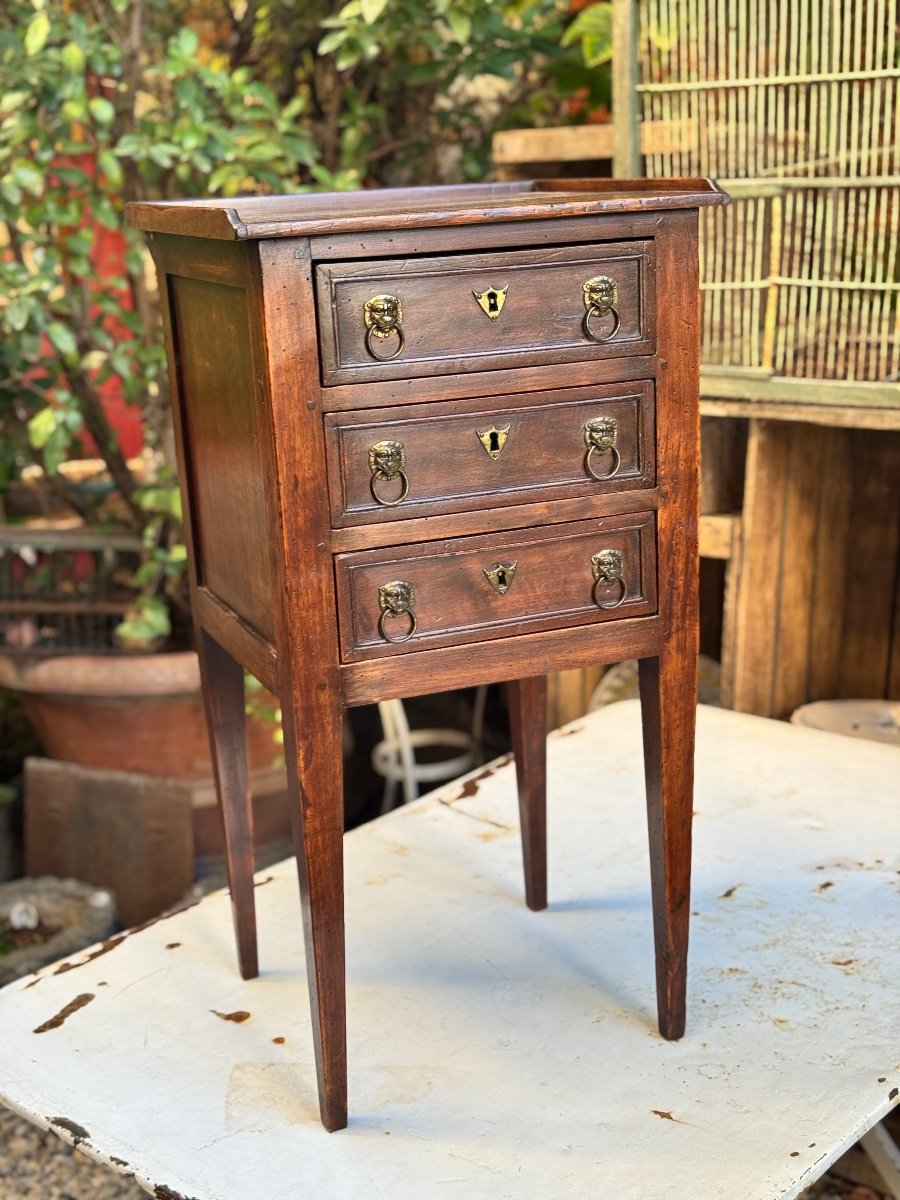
<point x="138" y="835"/>
<point x="813" y="612"/>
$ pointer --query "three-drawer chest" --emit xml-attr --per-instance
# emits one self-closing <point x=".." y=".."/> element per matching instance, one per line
<point x="430" y="438"/>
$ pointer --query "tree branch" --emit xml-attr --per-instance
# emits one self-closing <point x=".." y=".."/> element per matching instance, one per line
<point x="242" y="28"/>
<point x="132" y="70"/>
<point x="107" y="447"/>
<point x="64" y="488"/>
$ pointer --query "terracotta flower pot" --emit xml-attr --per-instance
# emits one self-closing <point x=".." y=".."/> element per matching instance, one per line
<point x="125" y="712"/>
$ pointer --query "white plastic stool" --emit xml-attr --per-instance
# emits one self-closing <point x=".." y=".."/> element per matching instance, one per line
<point x="394" y="757"/>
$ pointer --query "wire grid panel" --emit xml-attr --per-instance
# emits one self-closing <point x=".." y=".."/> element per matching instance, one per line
<point x="64" y="592"/>
<point x="794" y="107"/>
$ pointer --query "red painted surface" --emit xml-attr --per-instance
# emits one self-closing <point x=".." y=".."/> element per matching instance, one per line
<point x="108" y="257"/>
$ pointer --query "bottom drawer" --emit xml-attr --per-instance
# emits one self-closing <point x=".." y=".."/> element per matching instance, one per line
<point x="494" y="585"/>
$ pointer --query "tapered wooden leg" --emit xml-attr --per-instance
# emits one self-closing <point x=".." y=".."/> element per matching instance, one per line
<point x="223" y="696"/>
<point x="528" y="729"/>
<point x="668" y="704"/>
<point x="315" y="770"/>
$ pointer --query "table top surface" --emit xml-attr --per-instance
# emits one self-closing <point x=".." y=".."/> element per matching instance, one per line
<point x="496" y="1052"/>
<point x="238" y="218"/>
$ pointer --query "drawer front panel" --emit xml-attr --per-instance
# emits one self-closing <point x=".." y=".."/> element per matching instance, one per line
<point x="468" y="589"/>
<point x="460" y="456"/>
<point x="484" y="311"/>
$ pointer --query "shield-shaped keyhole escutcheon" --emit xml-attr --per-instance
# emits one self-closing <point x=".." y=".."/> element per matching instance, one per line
<point x="493" y="440"/>
<point x="500" y="576"/>
<point x="491" y="300"/>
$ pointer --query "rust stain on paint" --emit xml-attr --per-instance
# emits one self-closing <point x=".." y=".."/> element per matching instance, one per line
<point x="237" y="1017"/>
<point x="72" y="1007"/>
<point x="78" y="1132"/>
<point x="103" y="948"/>
<point x="665" y="1115"/>
<point x="470" y="787"/>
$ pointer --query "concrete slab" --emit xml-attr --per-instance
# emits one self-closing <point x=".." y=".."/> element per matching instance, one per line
<point x="500" y="1053"/>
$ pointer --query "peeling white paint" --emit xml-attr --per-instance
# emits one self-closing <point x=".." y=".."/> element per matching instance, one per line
<point x="500" y="1053"/>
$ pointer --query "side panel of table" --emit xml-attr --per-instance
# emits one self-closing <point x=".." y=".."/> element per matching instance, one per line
<point x="224" y="443"/>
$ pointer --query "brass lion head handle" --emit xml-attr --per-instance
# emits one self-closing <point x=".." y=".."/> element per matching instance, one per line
<point x="386" y="461"/>
<point x="396" y="599"/>
<point x="607" y="567"/>
<point x="601" y="295"/>
<point x="383" y="316"/>
<point x="600" y="437"/>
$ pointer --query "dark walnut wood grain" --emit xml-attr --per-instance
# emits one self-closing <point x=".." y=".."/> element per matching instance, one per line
<point x="446" y="331"/>
<point x="483" y="662"/>
<point x="263" y="301"/>
<point x="242" y="218"/>
<point x="481" y="520"/>
<point x="527" y="721"/>
<point x="309" y="681"/>
<point x="668" y="681"/>
<point x="510" y="450"/>
<point x="225" y="473"/>
<point x="547" y="572"/>
<point x="223" y="695"/>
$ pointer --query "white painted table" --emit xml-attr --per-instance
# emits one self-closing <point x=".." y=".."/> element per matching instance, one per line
<point x="500" y="1053"/>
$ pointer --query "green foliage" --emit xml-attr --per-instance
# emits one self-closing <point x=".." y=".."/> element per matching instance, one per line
<point x="147" y="626"/>
<point x="592" y="31"/>
<point x="409" y="91"/>
<point x="105" y="104"/>
<point x="262" y="706"/>
<point x="148" y="99"/>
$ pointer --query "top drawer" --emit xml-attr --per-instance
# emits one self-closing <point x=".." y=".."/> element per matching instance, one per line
<point x="399" y="318"/>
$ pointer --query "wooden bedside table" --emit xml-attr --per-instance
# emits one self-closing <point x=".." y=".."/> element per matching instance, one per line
<point x="430" y="438"/>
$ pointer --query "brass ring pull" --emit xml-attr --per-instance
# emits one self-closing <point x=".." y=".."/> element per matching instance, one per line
<point x="383" y="316"/>
<point x="607" y="567"/>
<point x="596" y="312"/>
<point x="398" y="349"/>
<point x="386" y="461"/>
<point x="609" y="474"/>
<point x="396" y="599"/>
<point x="381" y="499"/>
<point x="601" y="295"/>
<point x="404" y="637"/>
<point x="600" y="437"/>
<point x="623" y="592"/>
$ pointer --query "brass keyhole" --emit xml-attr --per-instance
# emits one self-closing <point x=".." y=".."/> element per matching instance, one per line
<point x="493" y="440"/>
<point x="500" y="576"/>
<point x="491" y="301"/>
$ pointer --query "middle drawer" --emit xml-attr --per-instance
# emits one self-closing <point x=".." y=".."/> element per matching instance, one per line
<point x="457" y="456"/>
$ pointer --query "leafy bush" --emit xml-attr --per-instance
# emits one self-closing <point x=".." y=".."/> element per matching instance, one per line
<point x="102" y="105"/>
<point x="142" y="99"/>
